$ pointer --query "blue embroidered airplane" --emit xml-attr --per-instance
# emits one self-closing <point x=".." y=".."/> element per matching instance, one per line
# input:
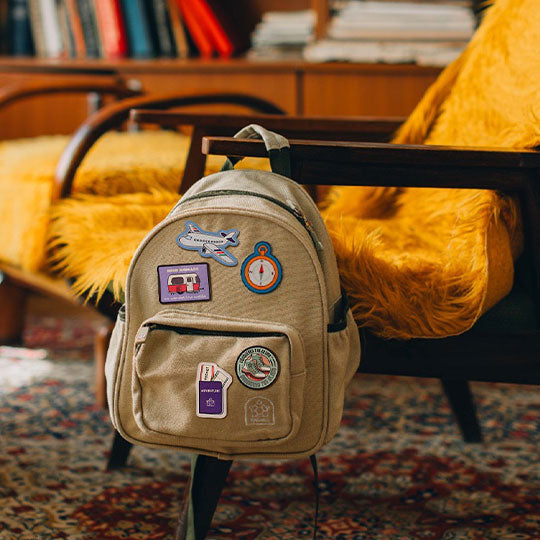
<point x="209" y="244"/>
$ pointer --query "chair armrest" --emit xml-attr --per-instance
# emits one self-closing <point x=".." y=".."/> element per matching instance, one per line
<point x="338" y="129"/>
<point x="297" y="127"/>
<point x="378" y="164"/>
<point x="116" y="114"/>
<point x="16" y="91"/>
<point x="364" y="164"/>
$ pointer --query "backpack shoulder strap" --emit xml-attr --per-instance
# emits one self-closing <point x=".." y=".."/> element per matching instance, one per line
<point x="313" y="459"/>
<point x="276" y="145"/>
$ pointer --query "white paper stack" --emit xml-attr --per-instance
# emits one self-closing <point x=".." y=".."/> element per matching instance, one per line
<point x="395" y="32"/>
<point x="389" y="52"/>
<point x="282" y="33"/>
<point x="400" y="21"/>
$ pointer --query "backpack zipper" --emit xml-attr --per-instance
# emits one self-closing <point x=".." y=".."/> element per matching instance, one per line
<point x="292" y="208"/>
<point x="200" y="332"/>
<point x="142" y="333"/>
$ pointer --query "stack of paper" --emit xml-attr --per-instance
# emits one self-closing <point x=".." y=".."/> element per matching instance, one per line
<point x="392" y="32"/>
<point x="281" y="33"/>
<point x="393" y="21"/>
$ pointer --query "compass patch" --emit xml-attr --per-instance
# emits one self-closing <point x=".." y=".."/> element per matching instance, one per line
<point x="257" y="367"/>
<point x="261" y="271"/>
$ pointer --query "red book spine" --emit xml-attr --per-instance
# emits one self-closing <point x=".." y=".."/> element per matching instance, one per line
<point x="213" y="27"/>
<point x="197" y="31"/>
<point x="111" y="28"/>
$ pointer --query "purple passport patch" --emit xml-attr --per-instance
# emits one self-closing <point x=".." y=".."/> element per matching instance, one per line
<point x="210" y="397"/>
<point x="183" y="283"/>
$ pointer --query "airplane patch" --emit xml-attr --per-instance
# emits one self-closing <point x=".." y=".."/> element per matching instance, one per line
<point x="209" y="244"/>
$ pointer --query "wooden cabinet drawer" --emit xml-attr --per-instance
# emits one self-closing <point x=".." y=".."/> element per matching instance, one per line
<point x="42" y="115"/>
<point x="370" y="91"/>
<point x="278" y="87"/>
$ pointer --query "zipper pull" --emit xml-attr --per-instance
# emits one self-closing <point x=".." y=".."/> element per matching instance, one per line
<point x="304" y="220"/>
<point x="142" y="334"/>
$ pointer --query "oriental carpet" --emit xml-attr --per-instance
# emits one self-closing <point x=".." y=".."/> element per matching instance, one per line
<point x="397" y="470"/>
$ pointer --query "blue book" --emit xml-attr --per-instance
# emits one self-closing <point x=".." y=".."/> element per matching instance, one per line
<point x="139" y="31"/>
<point x="89" y="25"/>
<point x="19" y="32"/>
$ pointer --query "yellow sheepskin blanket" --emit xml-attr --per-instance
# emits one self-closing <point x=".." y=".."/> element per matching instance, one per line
<point x="118" y="163"/>
<point x="425" y="262"/>
<point x="417" y="263"/>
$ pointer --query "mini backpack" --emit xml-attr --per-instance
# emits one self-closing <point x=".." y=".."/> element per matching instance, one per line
<point x="236" y="340"/>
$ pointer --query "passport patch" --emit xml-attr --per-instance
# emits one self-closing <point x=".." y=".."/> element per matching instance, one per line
<point x="212" y="385"/>
<point x="211" y="399"/>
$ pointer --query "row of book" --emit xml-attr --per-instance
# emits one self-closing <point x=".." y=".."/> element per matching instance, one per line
<point x="422" y="32"/>
<point x="114" y="29"/>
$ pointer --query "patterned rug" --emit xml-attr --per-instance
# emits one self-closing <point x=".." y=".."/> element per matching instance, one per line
<point x="396" y="471"/>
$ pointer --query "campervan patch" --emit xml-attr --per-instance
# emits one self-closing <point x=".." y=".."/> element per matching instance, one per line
<point x="183" y="283"/>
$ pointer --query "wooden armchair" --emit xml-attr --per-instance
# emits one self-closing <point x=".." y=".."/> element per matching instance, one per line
<point x="501" y="347"/>
<point x="14" y="282"/>
<point x="314" y="164"/>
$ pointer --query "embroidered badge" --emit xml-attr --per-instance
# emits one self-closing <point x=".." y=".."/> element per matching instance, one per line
<point x="209" y="244"/>
<point x="257" y="367"/>
<point x="261" y="271"/>
<point x="259" y="412"/>
<point x="211" y="391"/>
<point x="183" y="283"/>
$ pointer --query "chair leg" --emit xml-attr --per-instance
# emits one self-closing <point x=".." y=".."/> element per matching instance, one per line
<point x="461" y="401"/>
<point x="119" y="452"/>
<point x="101" y="344"/>
<point x="209" y="476"/>
<point x="12" y="311"/>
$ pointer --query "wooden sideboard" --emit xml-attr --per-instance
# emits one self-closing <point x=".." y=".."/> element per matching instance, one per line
<point x="298" y="87"/>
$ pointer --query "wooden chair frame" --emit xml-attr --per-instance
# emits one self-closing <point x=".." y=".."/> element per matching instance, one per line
<point x="14" y="282"/>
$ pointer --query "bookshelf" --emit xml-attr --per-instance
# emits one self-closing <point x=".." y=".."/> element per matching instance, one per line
<point x="299" y="87"/>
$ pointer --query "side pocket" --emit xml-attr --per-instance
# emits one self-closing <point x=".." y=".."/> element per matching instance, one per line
<point x="343" y="357"/>
<point x="113" y="355"/>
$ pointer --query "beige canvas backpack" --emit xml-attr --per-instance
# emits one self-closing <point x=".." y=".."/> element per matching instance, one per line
<point x="236" y="340"/>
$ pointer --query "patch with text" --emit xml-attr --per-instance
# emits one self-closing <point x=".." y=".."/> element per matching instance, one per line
<point x="212" y="385"/>
<point x="257" y="367"/>
<point x="184" y="283"/>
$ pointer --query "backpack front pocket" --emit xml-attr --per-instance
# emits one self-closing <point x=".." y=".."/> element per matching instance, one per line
<point x="205" y="377"/>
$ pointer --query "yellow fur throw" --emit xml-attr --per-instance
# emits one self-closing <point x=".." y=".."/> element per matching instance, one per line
<point x="92" y="238"/>
<point x="118" y="163"/>
<point x="428" y="263"/>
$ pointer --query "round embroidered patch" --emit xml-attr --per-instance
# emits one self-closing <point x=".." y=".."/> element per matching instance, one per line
<point x="257" y="367"/>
